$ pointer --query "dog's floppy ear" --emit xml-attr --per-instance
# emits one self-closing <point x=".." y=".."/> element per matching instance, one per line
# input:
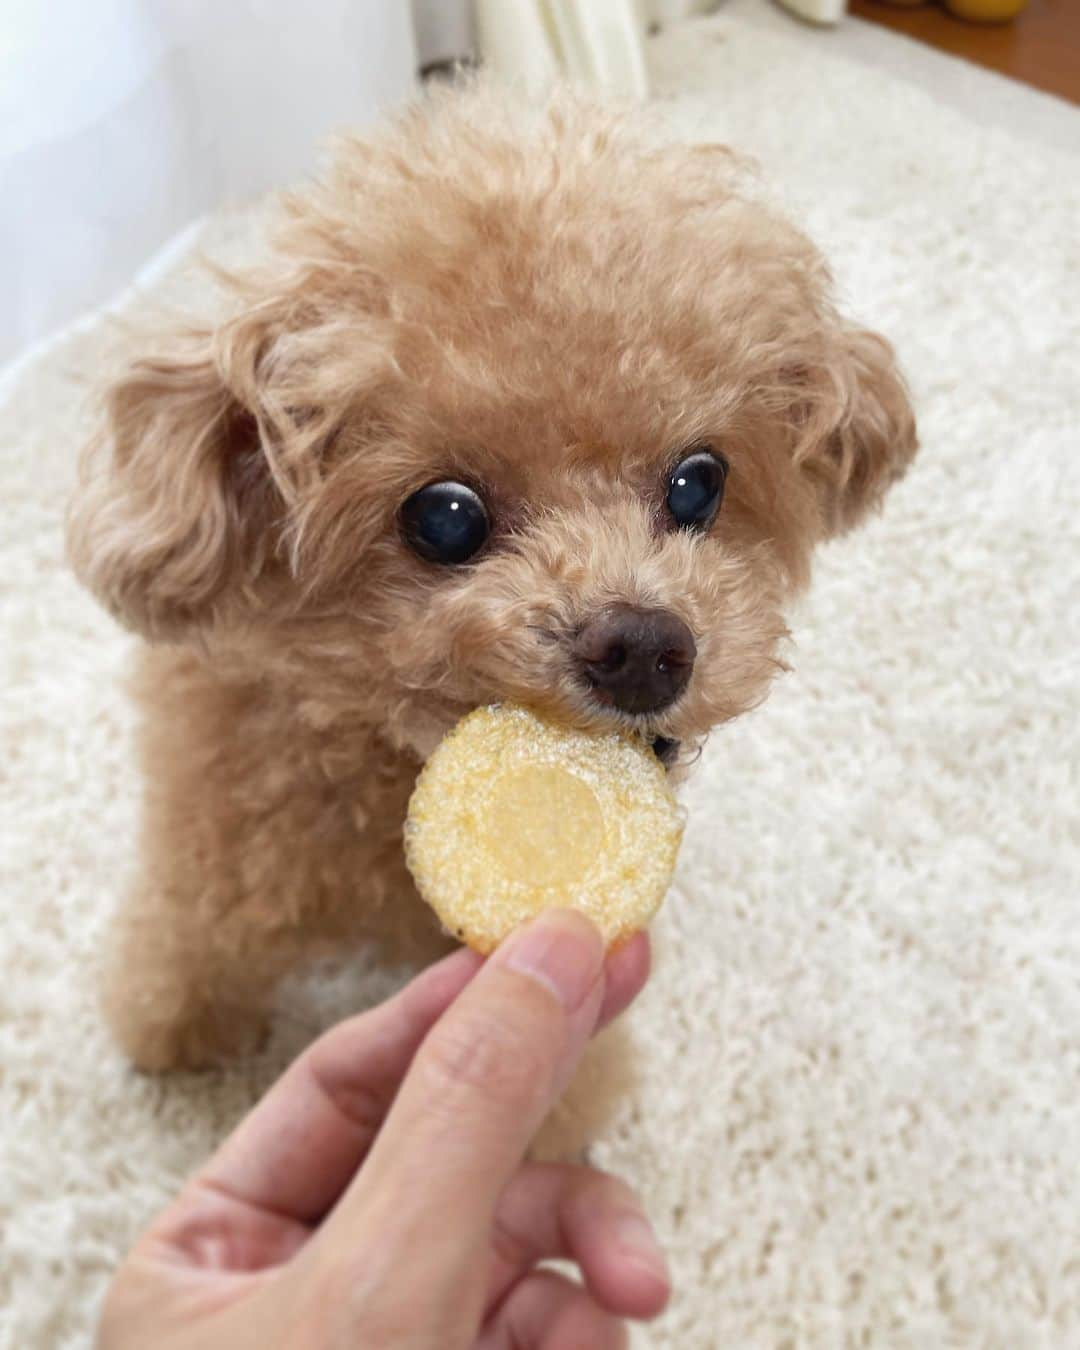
<point x="162" y="520"/>
<point x="204" y="455"/>
<point x="858" y="429"/>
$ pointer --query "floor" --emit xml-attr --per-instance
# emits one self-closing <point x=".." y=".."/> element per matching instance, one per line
<point x="1024" y="112"/>
<point x="1041" y="47"/>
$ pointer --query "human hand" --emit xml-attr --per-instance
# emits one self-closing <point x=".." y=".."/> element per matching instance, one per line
<point x="377" y="1197"/>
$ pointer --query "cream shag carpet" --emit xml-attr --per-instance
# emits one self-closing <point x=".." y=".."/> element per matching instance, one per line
<point x="857" y="1114"/>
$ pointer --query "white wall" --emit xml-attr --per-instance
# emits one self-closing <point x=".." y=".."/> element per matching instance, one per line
<point x="123" y="120"/>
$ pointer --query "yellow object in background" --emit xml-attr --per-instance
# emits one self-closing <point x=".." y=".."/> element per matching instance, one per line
<point x="985" y="11"/>
<point x="977" y="11"/>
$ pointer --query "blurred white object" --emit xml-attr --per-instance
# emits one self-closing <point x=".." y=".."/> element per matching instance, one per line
<point x="123" y="120"/>
<point x="664" y="11"/>
<point x="602" y="42"/>
<point x="817" y="11"/>
<point x="595" y="42"/>
<point x="513" y="40"/>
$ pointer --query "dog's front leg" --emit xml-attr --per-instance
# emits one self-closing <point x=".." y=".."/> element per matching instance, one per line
<point x="252" y="859"/>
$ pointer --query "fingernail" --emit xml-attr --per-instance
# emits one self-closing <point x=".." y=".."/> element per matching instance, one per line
<point x="561" y="950"/>
<point x="636" y="1240"/>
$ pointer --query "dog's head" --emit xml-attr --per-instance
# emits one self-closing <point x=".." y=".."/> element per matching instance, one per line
<point x="521" y="407"/>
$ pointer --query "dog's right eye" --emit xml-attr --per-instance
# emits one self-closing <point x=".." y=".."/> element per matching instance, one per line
<point x="696" y="489"/>
<point x="445" y="522"/>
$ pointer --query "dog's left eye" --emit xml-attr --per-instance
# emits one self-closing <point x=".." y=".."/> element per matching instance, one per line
<point x="696" y="489"/>
<point x="445" y="522"/>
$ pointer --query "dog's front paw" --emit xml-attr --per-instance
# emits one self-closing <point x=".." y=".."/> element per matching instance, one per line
<point x="601" y="1088"/>
<point x="159" y="1039"/>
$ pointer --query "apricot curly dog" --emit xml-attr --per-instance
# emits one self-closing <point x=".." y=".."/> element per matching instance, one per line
<point x="522" y="404"/>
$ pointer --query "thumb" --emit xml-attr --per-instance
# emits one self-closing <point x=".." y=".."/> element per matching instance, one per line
<point x="480" y="1085"/>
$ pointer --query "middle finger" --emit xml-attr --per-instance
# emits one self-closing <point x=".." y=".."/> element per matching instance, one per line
<point x="554" y="1210"/>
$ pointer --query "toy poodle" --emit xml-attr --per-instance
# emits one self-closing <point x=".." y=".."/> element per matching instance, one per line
<point x="521" y="404"/>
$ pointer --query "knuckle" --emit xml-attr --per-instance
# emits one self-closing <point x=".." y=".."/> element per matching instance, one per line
<point x="604" y="1188"/>
<point x="489" y="1059"/>
<point x="511" y="1247"/>
<point x="362" y="1105"/>
<point x="592" y="1196"/>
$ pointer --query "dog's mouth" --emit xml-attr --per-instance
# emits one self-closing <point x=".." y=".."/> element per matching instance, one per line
<point x="666" y="750"/>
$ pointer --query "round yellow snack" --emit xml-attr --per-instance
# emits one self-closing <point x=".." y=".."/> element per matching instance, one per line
<point x="513" y="814"/>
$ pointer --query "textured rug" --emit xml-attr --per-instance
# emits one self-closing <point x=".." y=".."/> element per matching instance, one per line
<point x="857" y="1108"/>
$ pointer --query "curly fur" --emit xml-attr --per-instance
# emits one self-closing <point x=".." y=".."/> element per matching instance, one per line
<point x="547" y="303"/>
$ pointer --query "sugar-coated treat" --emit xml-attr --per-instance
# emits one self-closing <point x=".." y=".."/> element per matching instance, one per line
<point x="513" y="814"/>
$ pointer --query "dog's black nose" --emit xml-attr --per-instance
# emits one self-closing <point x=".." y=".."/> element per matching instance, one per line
<point x="637" y="660"/>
